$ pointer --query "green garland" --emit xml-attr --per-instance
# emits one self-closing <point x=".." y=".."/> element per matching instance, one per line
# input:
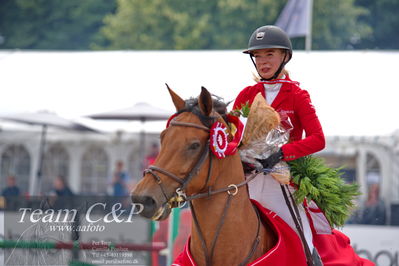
<point x="324" y="185"/>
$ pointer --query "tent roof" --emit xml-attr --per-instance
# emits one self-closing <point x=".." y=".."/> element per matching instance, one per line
<point x="43" y="118"/>
<point x="354" y="92"/>
<point x="141" y="111"/>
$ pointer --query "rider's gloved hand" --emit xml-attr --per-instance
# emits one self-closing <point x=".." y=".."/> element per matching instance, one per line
<point x="248" y="168"/>
<point x="272" y="160"/>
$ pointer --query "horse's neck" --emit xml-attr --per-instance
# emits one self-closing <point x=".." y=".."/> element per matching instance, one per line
<point x="239" y="227"/>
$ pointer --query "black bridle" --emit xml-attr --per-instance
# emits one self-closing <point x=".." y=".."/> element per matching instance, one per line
<point x="179" y="198"/>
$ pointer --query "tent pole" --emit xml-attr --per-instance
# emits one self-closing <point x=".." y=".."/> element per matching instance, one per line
<point x="39" y="173"/>
<point x="142" y="147"/>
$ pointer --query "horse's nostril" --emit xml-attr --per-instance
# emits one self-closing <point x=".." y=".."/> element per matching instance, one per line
<point x="145" y="200"/>
<point x="149" y="204"/>
<point x="148" y="201"/>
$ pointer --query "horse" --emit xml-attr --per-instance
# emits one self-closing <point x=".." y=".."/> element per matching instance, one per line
<point x="226" y="227"/>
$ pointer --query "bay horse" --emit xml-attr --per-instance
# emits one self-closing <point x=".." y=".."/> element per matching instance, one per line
<point x="226" y="228"/>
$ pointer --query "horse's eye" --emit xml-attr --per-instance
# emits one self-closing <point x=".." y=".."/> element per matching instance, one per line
<point x="194" y="146"/>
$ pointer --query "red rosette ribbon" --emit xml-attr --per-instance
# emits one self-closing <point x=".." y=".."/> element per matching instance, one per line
<point x="219" y="144"/>
<point x="218" y="139"/>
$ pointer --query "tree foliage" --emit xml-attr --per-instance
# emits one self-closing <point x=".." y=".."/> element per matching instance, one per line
<point x="223" y="24"/>
<point x="55" y="24"/>
<point x="384" y="20"/>
<point x="337" y="26"/>
<point x="188" y="24"/>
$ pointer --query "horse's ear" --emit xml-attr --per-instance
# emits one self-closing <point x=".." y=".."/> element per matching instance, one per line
<point x="205" y="102"/>
<point x="177" y="101"/>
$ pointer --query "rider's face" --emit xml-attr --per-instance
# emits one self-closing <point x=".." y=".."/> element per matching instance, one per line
<point x="268" y="61"/>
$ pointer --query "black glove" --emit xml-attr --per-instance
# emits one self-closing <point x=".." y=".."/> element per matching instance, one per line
<point x="272" y="160"/>
<point x="248" y="168"/>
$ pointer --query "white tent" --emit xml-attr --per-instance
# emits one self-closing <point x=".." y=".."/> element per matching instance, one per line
<point x="355" y="92"/>
<point x="44" y="120"/>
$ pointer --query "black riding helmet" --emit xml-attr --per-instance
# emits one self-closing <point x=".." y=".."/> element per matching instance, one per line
<point x="270" y="36"/>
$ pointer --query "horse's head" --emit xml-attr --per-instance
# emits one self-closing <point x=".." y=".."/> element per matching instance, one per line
<point x="183" y="166"/>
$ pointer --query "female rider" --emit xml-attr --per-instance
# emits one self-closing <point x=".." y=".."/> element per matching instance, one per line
<point x="270" y="50"/>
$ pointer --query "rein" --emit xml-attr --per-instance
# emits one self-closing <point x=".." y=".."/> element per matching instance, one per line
<point x="298" y="222"/>
<point x="180" y="198"/>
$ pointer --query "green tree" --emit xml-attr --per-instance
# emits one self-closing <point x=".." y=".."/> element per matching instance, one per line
<point x="239" y="18"/>
<point x="336" y="24"/>
<point x="188" y="24"/>
<point x="155" y="24"/>
<point x="55" y="24"/>
<point x="383" y="18"/>
<point x="223" y="24"/>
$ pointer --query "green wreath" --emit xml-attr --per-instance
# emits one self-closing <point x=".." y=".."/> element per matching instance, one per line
<point x="324" y="185"/>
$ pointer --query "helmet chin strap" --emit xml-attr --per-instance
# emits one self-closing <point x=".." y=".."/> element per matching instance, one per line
<point x="280" y="68"/>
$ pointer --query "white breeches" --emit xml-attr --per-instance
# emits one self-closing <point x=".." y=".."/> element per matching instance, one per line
<point x="267" y="191"/>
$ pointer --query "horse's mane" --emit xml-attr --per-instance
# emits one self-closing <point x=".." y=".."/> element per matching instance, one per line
<point x="218" y="105"/>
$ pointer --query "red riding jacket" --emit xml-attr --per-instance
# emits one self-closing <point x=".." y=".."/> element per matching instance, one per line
<point x="295" y="103"/>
